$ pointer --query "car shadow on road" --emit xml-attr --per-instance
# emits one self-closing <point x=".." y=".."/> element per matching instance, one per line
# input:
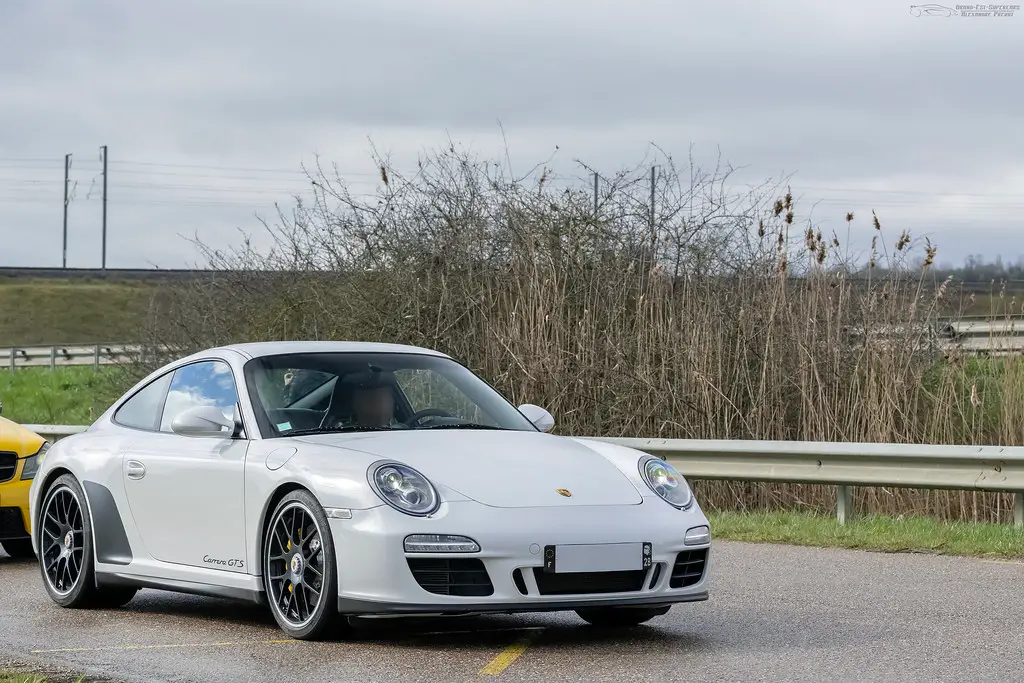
<point x="472" y="632"/>
<point x="201" y="607"/>
<point x="487" y="633"/>
<point x="746" y="628"/>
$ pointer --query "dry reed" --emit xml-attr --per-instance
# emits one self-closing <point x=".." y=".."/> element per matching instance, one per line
<point x="725" y="320"/>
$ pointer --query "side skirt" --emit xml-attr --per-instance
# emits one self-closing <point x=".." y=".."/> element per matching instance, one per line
<point x="180" y="586"/>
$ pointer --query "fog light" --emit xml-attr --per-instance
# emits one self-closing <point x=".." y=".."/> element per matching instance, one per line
<point x="440" y="543"/>
<point x="698" y="535"/>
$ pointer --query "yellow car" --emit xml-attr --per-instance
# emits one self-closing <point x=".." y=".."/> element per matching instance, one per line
<point x="20" y="451"/>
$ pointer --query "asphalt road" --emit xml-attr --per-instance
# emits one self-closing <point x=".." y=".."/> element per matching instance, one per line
<point x="776" y="613"/>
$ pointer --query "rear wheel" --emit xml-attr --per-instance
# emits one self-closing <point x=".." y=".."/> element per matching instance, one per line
<point x="18" y="548"/>
<point x="66" y="550"/>
<point x="619" y="617"/>
<point x="299" y="568"/>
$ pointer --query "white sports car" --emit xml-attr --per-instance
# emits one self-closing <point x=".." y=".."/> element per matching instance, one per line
<point x="336" y="479"/>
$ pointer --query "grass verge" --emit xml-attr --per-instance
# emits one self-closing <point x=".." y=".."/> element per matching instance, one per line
<point x="74" y="395"/>
<point x="874" y="532"/>
<point x="12" y="676"/>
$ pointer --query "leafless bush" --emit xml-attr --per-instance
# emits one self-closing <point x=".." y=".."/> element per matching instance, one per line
<point x="714" y="316"/>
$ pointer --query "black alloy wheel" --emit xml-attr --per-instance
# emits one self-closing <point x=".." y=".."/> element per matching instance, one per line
<point x="299" y="568"/>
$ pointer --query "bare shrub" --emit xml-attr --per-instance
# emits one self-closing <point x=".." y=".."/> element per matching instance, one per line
<point x="724" y="317"/>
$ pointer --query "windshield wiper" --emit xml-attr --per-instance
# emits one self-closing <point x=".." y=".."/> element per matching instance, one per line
<point x="463" y="425"/>
<point x="336" y="430"/>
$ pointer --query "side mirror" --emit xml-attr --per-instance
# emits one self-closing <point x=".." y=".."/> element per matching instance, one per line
<point x="538" y="416"/>
<point x="202" y="421"/>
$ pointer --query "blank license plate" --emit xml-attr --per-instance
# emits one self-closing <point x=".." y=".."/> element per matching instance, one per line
<point x="599" y="557"/>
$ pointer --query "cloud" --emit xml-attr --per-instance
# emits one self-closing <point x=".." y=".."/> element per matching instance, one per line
<point x="870" y="107"/>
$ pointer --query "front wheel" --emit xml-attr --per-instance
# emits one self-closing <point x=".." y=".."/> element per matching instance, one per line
<point x="619" y="617"/>
<point x="300" y="569"/>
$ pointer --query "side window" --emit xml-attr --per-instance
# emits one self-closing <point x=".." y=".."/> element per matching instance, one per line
<point x="206" y="383"/>
<point x="142" y="411"/>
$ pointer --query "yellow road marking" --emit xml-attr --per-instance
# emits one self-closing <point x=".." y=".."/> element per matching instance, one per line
<point x="168" y="645"/>
<point x="508" y="655"/>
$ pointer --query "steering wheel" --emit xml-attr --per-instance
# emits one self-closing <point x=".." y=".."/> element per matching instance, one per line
<point x="427" y="412"/>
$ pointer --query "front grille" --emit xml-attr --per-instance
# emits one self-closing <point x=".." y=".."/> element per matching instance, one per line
<point x="463" y="577"/>
<point x="689" y="567"/>
<point x="8" y="465"/>
<point x="582" y="583"/>
<point x="12" y="524"/>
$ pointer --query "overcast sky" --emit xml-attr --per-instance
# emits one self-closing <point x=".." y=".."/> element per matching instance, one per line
<point x="864" y="103"/>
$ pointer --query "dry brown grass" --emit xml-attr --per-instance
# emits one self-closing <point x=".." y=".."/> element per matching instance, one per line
<point x="730" y="319"/>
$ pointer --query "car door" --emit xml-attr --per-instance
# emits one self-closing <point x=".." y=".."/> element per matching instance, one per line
<point x="186" y="493"/>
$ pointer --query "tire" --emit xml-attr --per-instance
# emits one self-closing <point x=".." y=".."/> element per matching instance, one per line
<point x="65" y="511"/>
<point x="19" y="548"/>
<point x="621" y="617"/>
<point x="288" y="581"/>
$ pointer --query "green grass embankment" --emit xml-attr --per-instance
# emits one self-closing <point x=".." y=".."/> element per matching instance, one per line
<point x="73" y="395"/>
<point x="46" y="312"/>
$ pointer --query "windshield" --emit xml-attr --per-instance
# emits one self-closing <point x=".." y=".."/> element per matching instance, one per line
<point x="310" y="393"/>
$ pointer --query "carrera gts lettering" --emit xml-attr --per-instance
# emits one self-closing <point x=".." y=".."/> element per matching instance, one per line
<point x="224" y="563"/>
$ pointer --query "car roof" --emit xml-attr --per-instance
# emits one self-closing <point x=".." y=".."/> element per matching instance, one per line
<point x="273" y="348"/>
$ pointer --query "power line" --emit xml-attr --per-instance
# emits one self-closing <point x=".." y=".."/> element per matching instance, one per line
<point x="803" y="189"/>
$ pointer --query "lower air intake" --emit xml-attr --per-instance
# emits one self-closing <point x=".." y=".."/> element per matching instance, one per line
<point x="689" y="568"/>
<point x="462" y="576"/>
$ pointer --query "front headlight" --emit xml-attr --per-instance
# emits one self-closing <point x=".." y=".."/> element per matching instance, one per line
<point x="666" y="481"/>
<point x="32" y="462"/>
<point x="404" y="489"/>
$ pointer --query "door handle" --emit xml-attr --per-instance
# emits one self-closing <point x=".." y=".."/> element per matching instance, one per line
<point x="136" y="470"/>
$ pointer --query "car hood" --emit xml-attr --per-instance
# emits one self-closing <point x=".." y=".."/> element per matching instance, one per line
<point x="16" y="439"/>
<point x="506" y="469"/>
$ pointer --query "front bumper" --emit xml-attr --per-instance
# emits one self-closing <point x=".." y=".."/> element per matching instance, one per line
<point x="376" y="576"/>
<point x="14" y="516"/>
<point x="366" y="607"/>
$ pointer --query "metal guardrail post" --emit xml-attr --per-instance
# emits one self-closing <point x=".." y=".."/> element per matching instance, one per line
<point x="844" y="503"/>
<point x="1018" y="509"/>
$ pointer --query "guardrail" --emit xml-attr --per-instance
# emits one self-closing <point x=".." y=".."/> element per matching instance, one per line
<point x="66" y="355"/>
<point x="54" y="432"/>
<point x="844" y="465"/>
<point x="992" y="337"/>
